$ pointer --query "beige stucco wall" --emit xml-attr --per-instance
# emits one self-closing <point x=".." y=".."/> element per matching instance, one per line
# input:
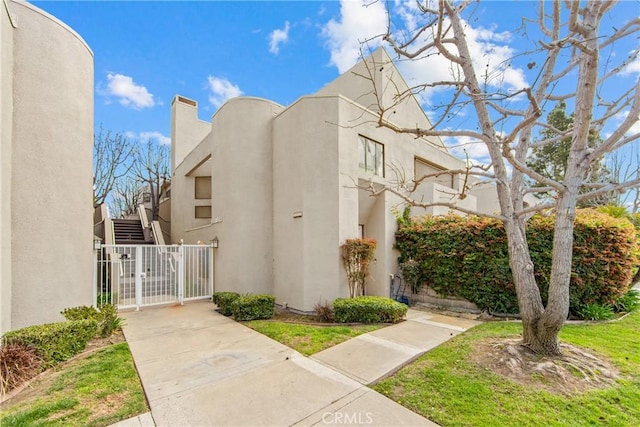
<point x="6" y="131"/>
<point x="307" y="267"/>
<point x="285" y="190"/>
<point x="51" y="168"/>
<point x="187" y="131"/>
<point x="242" y="188"/>
<point x="375" y="72"/>
<point x="316" y="173"/>
<point x="237" y="154"/>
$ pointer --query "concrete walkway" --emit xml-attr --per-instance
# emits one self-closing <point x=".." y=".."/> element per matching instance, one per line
<point x="199" y="368"/>
<point x="370" y="357"/>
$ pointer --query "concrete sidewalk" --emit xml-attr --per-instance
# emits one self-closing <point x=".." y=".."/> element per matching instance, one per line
<point x="199" y="368"/>
<point x="370" y="357"/>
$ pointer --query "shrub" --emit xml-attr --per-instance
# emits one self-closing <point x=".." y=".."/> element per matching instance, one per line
<point x="467" y="257"/>
<point x="81" y="313"/>
<point x="627" y="302"/>
<point x="55" y="342"/>
<point x="368" y="309"/>
<point x="224" y="300"/>
<point x="252" y="307"/>
<point x="324" y="312"/>
<point x="107" y="317"/>
<point x="18" y="363"/>
<point x="596" y="312"/>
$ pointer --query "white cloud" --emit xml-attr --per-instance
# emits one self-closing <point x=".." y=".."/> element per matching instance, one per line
<point x="148" y="136"/>
<point x="359" y="20"/>
<point x="221" y="90"/>
<point x="155" y="136"/>
<point x="621" y="117"/>
<point x="128" y="92"/>
<point x="491" y="55"/>
<point x="489" y="48"/>
<point x="633" y="67"/>
<point x="278" y="37"/>
<point x="463" y="146"/>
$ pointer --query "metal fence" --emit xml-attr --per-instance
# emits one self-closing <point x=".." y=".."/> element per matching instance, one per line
<point x="132" y="276"/>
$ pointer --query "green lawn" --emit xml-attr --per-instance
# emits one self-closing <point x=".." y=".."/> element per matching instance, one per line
<point x="98" y="390"/>
<point x="308" y="339"/>
<point x="447" y="388"/>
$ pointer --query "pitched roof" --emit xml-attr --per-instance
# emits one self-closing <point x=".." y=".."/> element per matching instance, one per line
<point x="376" y="83"/>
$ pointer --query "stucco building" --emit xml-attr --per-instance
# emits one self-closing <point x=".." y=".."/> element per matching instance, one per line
<point x="281" y="188"/>
<point x="46" y="110"/>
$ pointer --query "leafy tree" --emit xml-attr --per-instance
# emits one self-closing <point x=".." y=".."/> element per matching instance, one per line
<point x="550" y="158"/>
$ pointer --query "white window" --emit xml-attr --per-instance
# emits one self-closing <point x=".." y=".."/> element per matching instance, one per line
<point x="371" y="156"/>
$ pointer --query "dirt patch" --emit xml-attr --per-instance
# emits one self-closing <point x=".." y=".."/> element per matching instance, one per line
<point x="574" y="372"/>
<point x="107" y="405"/>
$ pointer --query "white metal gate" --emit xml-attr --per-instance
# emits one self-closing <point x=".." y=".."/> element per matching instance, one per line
<point x="132" y="276"/>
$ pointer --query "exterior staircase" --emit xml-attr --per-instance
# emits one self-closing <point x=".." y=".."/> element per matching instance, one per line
<point x="129" y="232"/>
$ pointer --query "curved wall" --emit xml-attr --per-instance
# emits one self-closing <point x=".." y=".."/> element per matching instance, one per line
<point x="242" y="188"/>
<point x="51" y="180"/>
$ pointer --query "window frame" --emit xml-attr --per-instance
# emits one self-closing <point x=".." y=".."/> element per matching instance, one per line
<point x="195" y="212"/>
<point x="196" y="194"/>
<point x="371" y="151"/>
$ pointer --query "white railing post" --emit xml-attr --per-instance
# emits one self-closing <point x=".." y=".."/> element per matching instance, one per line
<point x="138" y="277"/>
<point x="181" y="274"/>
<point x="96" y="248"/>
<point x="212" y="263"/>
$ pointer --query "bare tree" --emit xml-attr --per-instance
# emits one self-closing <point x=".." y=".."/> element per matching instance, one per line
<point x="625" y="168"/>
<point x="112" y="160"/>
<point x="126" y="196"/>
<point x="569" y="69"/>
<point x="151" y="169"/>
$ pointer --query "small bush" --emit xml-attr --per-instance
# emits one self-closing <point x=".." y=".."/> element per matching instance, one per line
<point x="55" y="342"/>
<point x="81" y="313"/>
<point x="224" y="300"/>
<point x="107" y="317"/>
<point x="18" y="363"/>
<point x="252" y="307"/>
<point x="596" y="312"/>
<point x="627" y="302"/>
<point x="368" y="309"/>
<point x="324" y="312"/>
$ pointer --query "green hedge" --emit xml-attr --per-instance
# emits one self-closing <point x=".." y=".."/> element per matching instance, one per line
<point x="55" y="342"/>
<point x="368" y="309"/>
<point x="224" y="301"/>
<point x="467" y="257"/>
<point x="81" y="313"/>
<point x="107" y="317"/>
<point x="251" y="307"/>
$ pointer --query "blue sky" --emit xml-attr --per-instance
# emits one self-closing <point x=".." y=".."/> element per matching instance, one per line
<point x="146" y="52"/>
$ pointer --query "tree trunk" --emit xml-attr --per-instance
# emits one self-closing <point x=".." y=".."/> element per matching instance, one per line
<point x="541" y="337"/>
<point x="539" y="328"/>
